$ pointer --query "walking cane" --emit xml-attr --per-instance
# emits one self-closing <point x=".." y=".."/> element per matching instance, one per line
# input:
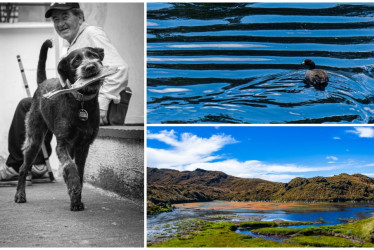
<point x="44" y="149"/>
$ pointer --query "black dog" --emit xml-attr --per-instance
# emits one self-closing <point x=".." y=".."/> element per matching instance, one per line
<point x="73" y="118"/>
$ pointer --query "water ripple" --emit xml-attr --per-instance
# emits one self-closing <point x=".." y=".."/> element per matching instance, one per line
<point x="240" y="63"/>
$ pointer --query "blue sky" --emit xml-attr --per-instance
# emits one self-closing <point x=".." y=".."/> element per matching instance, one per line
<point x="277" y="153"/>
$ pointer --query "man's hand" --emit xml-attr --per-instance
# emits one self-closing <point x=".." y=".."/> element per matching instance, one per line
<point x="103" y="117"/>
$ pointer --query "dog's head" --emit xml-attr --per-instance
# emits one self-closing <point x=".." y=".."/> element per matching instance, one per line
<point x="81" y="63"/>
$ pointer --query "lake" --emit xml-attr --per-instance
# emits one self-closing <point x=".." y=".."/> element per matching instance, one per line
<point x="160" y="227"/>
<point x="241" y="62"/>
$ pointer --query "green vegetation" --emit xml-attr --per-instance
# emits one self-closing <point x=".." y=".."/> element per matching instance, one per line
<point x="348" y="220"/>
<point x="186" y="226"/>
<point x="323" y="241"/>
<point x="159" y="208"/>
<point x="276" y="231"/>
<point x="222" y="234"/>
<point x="358" y="234"/>
<point x="362" y="230"/>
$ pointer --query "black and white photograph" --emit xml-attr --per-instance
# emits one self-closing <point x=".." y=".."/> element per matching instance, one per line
<point x="185" y="124"/>
<point x="72" y="127"/>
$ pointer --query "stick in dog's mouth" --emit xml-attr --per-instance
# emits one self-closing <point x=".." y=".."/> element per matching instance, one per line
<point x="82" y="82"/>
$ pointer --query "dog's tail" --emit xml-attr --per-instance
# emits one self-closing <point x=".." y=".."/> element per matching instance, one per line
<point x="41" y="75"/>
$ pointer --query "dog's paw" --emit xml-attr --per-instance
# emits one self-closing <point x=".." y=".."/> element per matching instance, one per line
<point x="77" y="207"/>
<point x="20" y="197"/>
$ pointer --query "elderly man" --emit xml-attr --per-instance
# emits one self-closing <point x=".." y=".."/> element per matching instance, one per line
<point x="69" y="23"/>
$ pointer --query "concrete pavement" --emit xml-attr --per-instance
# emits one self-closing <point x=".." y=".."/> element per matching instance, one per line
<point x="46" y="220"/>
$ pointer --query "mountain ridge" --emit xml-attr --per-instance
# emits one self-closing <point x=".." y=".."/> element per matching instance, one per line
<point x="172" y="186"/>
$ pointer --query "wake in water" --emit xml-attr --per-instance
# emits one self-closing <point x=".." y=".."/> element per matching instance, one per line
<point x="274" y="98"/>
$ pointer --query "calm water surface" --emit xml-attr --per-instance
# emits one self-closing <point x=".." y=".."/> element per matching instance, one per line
<point x="240" y="62"/>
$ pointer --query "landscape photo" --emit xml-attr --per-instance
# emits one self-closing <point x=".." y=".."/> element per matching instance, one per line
<point x="260" y="186"/>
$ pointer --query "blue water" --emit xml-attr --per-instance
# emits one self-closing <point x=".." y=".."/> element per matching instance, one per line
<point x="240" y="62"/>
<point x="330" y="218"/>
<point x="266" y="237"/>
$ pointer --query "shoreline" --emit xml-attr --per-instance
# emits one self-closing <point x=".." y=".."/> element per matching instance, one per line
<point x="253" y="205"/>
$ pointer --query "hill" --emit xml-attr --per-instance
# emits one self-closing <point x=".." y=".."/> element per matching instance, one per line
<point x="172" y="186"/>
<point x="342" y="187"/>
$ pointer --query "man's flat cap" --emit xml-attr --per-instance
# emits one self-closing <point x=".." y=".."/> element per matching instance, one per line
<point x="60" y="6"/>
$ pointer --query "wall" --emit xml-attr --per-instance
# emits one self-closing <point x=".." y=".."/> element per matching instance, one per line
<point x="32" y="12"/>
<point x="116" y="161"/>
<point x="124" y="25"/>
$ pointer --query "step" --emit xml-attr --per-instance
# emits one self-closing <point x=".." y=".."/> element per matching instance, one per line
<point x="116" y="161"/>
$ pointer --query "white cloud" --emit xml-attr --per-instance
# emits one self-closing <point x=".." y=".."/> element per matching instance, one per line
<point x="333" y="158"/>
<point x="278" y="177"/>
<point x="186" y="150"/>
<point x="364" y="132"/>
<point x="255" y="169"/>
<point x="167" y="137"/>
<point x="369" y="174"/>
<point x="189" y="152"/>
<point x="337" y="138"/>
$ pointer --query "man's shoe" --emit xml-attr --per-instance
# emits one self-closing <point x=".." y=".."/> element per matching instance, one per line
<point x="7" y="173"/>
<point x="40" y="173"/>
<point x="39" y="170"/>
<point x="9" y="177"/>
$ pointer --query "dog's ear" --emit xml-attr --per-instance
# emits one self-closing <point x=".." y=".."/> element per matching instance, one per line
<point x="100" y="52"/>
<point x="62" y="68"/>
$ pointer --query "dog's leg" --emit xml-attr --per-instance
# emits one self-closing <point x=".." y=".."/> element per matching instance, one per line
<point x="31" y="150"/>
<point x="20" y="196"/>
<point x="80" y="159"/>
<point x="71" y="152"/>
<point x="71" y="176"/>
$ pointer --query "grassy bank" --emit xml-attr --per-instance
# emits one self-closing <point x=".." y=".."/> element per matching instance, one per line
<point x="153" y="209"/>
<point x="222" y="234"/>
